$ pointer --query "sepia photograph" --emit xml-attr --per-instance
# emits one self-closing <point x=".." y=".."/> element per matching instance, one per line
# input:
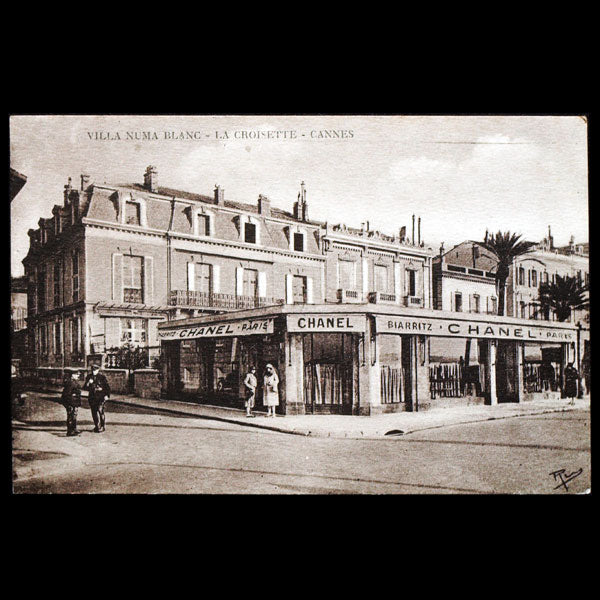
<point x="300" y="304"/>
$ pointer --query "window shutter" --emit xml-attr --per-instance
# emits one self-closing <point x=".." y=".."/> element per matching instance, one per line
<point x="239" y="281"/>
<point x="216" y="282"/>
<point x="289" y="289"/>
<point x="365" y="276"/>
<point x="309" y="290"/>
<point x="471" y="303"/>
<point x="148" y="280"/>
<point x="117" y="288"/>
<point x="112" y="333"/>
<point x="191" y="277"/>
<point x="262" y="284"/>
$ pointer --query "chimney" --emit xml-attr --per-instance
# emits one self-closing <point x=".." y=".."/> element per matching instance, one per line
<point x="442" y="251"/>
<point x="67" y="191"/>
<point x="264" y="206"/>
<point x="300" y="206"/>
<point x="413" y="230"/>
<point x="85" y="182"/>
<point x="419" y="230"/>
<point x="219" y="195"/>
<point x="151" y="179"/>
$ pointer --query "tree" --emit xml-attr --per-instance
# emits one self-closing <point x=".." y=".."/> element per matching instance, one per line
<point x="505" y="247"/>
<point x="562" y="296"/>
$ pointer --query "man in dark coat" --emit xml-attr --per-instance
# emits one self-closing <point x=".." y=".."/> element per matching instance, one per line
<point x="71" y="400"/>
<point x="99" y="392"/>
<point x="571" y="379"/>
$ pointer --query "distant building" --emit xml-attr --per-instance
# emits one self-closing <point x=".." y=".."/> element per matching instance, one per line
<point x="18" y="317"/>
<point x="16" y="183"/>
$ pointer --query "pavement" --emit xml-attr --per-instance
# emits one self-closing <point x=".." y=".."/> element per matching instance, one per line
<point x="350" y="426"/>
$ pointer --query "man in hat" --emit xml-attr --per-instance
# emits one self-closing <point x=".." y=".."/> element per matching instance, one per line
<point x="99" y="392"/>
<point x="71" y="400"/>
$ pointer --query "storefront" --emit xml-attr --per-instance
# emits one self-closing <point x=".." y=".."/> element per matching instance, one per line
<point x="364" y="359"/>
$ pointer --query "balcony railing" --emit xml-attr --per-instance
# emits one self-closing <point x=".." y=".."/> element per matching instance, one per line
<point x="413" y="301"/>
<point x="382" y="298"/>
<point x="346" y="296"/>
<point x="231" y="301"/>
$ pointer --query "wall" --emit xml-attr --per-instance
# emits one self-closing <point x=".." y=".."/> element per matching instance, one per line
<point x="147" y="383"/>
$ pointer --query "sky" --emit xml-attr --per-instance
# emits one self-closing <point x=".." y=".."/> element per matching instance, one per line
<point x="460" y="174"/>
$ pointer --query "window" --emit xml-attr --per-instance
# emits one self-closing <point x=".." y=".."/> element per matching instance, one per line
<point x="381" y="278"/>
<point x="203" y="278"/>
<point x="74" y="336"/>
<point x="251" y="283"/>
<point x="534" y="281"/>
<point x="346" y="274"/>
<point x="41" y="290"/>
<point x="523" y="316"/>
<point x="203" y="224"/>
<point x="132" y="213"/>
<point x="43" y="340"/>
<point x="75" y="276"/>
<point x="494" y="305"/>
<point x="57" y="339"/>
<point x="412" y="283"/>
<point x="521" y="276"/>
<point x="250" y="233"/>
<point x="476" y="303"/>
<point x="299" y="242"/>
<point x="528" y="277"/>
<point x="57" y="284"/>
<point x="133" y="279"/>
<point x="299" y="289"/>
<point x="134" y="331"/>
<point x="457" y="301"/>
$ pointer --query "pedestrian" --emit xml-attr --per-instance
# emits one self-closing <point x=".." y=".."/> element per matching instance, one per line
<point x="571" y="379"/>
<point x="250" y="383"/>
<point x="71" y="400"/>
<point x="98" y="393"/>
<point x="270" y="390"/>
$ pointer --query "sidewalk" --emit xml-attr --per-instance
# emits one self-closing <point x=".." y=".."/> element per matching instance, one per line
<point x="348" y="426"/>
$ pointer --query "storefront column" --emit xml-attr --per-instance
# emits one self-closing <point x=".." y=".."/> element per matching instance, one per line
<point x="369" y="377"/>
<point x="490" y="373"/>
<point x="564" y="361"/>
<point x="520" y="379"/>
<point x="294" y="374"/>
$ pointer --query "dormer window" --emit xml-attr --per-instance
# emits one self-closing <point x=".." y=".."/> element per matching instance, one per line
<point x="132" y="213"/>
<point x="299" y="242"/>
<point x="203" y="224"/>
<point x="250" y="233"/>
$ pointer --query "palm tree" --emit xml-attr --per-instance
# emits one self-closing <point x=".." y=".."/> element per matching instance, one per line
<point x="505" y="247"/>
<point x="562" y="296"/>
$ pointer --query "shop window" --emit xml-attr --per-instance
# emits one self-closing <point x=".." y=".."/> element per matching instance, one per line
<point x="250" y="233"/>
<point x="132" y="213"/>
<point x="299" y="242"/>
<point x="381" y="278"/>
<point x="134" y="331"/>
<point x="458" y="302"/>
<point x="347" y="274"/>
<point x="133" y="278"/>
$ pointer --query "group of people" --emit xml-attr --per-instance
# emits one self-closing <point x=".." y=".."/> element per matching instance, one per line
<point x="98" y="390"/>
<point x="270" y="390"/>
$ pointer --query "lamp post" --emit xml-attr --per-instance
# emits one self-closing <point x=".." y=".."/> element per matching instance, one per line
<point x="579" y="390"/>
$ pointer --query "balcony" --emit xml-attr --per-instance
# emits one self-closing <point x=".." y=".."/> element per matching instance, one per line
<point x="349" y="296"/>
<point x="413" y="301"/>
<point x="381" y="298"/>
<point x="220" y="301"/>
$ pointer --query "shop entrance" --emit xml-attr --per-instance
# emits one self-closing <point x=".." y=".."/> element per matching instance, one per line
<point x="507" y="371"/>
<point x="329" y="372"/>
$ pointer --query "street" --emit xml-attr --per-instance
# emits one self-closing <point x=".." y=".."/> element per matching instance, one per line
<point x="146" y="452"/>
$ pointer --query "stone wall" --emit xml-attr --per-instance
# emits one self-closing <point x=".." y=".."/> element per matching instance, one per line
<point x="147" y="383"/>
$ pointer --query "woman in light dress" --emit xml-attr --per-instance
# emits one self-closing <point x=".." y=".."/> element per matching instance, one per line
<point x="270" y="390"/>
